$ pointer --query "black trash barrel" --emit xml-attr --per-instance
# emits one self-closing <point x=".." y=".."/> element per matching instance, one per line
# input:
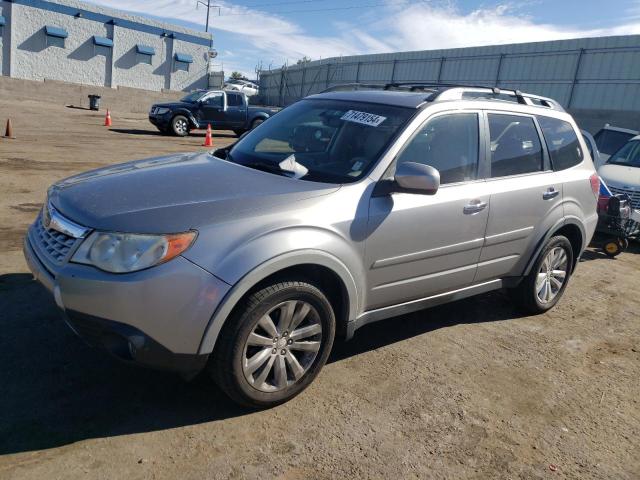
<point x="94" y="102"/>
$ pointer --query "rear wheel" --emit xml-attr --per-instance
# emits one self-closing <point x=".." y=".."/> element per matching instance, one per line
<point x="613" y="247"/>
<point x="543" y="287"/>
<point x="257" y="122"/>
<point x="239" y="132"/>
<point x="275" y="345"/>
<point x="180" y="126"/>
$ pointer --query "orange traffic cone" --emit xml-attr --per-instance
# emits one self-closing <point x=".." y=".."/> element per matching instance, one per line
<point x="208" y="141"/>
<point x="9" y="131"/>
<point x="107" y="119"/>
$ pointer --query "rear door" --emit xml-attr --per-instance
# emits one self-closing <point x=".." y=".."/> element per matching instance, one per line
<point x="526" y="196"/>
<point x="236" y="114"/>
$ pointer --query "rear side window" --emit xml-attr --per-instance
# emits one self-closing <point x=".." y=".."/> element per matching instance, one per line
<point x="515" y="145"/>
<point x="234" y="100"/>
<point x="449" y="143"/>
<point x="562" y="143"/>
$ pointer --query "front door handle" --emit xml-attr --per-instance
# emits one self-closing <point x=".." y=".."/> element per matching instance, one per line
<point x="474" y="206"/>
<point x="551" y="193"/>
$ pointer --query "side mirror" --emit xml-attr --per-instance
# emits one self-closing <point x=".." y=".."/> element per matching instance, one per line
<point x="414" y="177"/>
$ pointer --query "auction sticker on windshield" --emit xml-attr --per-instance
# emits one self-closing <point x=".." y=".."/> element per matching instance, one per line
<point x="363" y="118"/>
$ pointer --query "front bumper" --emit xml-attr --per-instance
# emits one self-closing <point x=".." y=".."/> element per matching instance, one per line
<point x="162" y="122"/>
<point x="156" y="317"/>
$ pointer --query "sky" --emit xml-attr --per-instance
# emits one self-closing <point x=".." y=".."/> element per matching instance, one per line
<point x="250" y="33"/>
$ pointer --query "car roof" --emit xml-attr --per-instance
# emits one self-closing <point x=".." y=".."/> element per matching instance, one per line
<point x="620" y="129"/>
<point x="417" y="100"/>
<point x="384" y="97"/>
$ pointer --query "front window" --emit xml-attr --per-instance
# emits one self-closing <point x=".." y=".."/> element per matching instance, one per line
<point x="322" y="140"/>
<point x="192" y="97"/>
<point x="449" y="143"/>
<point x="629" y="155"/>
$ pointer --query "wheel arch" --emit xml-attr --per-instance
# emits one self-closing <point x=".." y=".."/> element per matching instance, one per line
<point x="569" y="227"/>
<point x="319" y="267"/>
<point x="186" y="113"/>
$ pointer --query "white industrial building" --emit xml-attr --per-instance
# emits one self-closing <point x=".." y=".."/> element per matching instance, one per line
<point x="77" y="42"/>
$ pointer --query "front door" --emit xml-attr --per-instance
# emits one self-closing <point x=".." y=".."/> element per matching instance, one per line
<point x="212" y="111"/>
<point x="420" y="245"/>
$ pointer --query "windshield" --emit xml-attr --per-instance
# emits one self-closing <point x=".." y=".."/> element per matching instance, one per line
<point x="628" y="155"/>
<point x="192" y="97"/>
<point x="608" y="141"/>
<point x="333" y="141"/>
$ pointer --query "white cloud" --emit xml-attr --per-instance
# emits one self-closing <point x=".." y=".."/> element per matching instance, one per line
<point x="397" y="27"/>
<point x="421" y="27"/>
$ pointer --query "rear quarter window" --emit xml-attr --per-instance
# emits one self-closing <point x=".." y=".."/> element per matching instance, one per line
<point x="562" y="143"/>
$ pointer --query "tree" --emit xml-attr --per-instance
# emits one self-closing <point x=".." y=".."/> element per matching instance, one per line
<point x="237" y="76"/>
<point x="303" y="60"/>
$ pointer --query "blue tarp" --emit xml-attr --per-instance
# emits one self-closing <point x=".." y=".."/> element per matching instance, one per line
<point x="56" y="32"/>
<point x="102" y="41"/>
<point x="145" y="49"/>
<point x="184" y="58"/>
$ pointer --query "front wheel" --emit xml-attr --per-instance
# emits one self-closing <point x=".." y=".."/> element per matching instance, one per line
<point x="180" y="126"/>
<point x="541" y="289"/>
<point x="273" y="347"/>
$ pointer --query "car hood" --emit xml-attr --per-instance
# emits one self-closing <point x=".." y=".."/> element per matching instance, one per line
<point x="620" y="175"/>
<point x="173" y="105"/>
<point x="175" y="193"/>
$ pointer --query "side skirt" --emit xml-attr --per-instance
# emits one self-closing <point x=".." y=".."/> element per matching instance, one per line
<point x="422" y="303"/>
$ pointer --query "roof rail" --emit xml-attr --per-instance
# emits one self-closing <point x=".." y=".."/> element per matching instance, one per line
<point x="453" y="91"/>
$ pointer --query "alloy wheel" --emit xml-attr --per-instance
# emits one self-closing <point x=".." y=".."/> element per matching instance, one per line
<point x="552" y="275"/>
<point x="181" y="127"/>
<point x="282" y="346"/>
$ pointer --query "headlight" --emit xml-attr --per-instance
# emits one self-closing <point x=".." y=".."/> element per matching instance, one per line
<point x="128" y="252"/>
<point x="161" y="110"/>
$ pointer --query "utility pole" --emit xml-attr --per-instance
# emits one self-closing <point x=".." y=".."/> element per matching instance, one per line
<point x="209" y="7"/>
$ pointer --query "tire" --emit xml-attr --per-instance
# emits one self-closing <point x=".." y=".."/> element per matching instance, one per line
<point x="613" y="248"/>
<point x="180" y="126"/>
<point x="253" y="363"/>
<point x="239" y="132"/>
<point x="256" y="123"/>
<point x="539" y="290"/>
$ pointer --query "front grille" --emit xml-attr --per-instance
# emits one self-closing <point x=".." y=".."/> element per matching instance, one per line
<point x="55" y="245"/>
<point x="633" y="194"/>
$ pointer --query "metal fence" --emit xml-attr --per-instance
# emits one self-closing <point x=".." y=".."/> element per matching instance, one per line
<point x="586" y="74"/>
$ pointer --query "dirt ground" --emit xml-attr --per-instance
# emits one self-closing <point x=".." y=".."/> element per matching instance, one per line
<point x="467" y="390"/>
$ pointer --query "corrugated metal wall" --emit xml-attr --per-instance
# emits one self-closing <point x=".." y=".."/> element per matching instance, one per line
<point x="601" y="74"/>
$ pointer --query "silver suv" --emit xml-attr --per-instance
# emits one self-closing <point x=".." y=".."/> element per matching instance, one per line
<point x="345" y="208"/>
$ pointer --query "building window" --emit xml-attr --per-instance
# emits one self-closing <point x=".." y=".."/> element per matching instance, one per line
<point x="3" y="22"/>
<point x="183" y="61"/>
<point x="55" y="36"/>
<point x="102" y="45"/>
<point x="145" y="54"/>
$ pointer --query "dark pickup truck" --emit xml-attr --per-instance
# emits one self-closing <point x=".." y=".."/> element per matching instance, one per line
<point x="221" y="109"/>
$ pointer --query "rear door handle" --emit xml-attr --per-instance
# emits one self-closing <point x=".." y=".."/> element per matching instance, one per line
<point x="474" y="206"/>
<point x="551" y="193"/>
